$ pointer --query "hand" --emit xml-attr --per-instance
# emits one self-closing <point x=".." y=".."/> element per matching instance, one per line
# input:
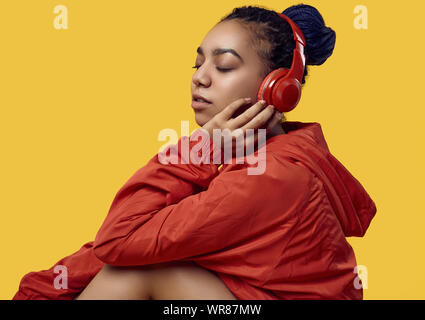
<point x="258" y="116"/>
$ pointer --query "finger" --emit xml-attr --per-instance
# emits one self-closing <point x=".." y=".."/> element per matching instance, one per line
<point x="250" y="113"/>
<point x="260" y="119"/>
<point x="231" y="108"/>
<point x="274" y="120"/>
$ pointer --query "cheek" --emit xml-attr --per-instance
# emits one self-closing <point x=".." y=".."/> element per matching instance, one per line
<point x="239" y="86"/>
<point x="243" y="87"/>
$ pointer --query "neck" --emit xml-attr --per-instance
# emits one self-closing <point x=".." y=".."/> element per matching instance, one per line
<point x="276" y="130"/>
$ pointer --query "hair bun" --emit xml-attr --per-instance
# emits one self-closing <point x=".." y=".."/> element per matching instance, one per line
<point x="320" y="39"/>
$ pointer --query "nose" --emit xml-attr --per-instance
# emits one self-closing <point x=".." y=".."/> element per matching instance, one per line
<point x="201" y="77"/>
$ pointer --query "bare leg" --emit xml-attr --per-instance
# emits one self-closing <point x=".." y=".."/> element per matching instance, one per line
<point x="187" y="281"/>
<point x="163" y="281"/>
<point x="118" y="283"/>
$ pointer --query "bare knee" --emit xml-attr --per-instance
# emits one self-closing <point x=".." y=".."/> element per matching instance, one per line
<point x="179" y="280"/>
<point x="117" y="283"/>
<point x="183" y="280"/>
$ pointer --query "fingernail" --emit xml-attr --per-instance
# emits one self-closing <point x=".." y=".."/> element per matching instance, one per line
<point x="263" y="102"/>
<point x="247" y="99"/>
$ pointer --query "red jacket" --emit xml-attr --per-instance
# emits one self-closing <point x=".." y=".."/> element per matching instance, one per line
<point x="277" y="235"/>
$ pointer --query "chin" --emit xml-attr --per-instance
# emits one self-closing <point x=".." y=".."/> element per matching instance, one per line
<point x="201" y="119"/>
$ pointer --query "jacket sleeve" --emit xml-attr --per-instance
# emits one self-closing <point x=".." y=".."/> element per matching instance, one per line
<point x="155" y="217"/>
<point x="64" y="280"/>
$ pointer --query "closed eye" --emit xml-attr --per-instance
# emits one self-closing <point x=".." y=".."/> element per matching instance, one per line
<point x="219" y="69"/>
<point x="224" y="70"/>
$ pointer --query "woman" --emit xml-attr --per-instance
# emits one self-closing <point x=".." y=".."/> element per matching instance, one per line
<point x="194" y="231"/>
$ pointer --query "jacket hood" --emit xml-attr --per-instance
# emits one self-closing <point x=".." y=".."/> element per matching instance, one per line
<point x="305" y="142"/>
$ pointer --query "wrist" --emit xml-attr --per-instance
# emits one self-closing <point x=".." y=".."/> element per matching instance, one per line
<point x="209" y="151"/>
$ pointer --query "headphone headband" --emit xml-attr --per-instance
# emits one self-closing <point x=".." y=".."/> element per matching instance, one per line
<point x="298" y="61"/>
<point x="282" y="86"/>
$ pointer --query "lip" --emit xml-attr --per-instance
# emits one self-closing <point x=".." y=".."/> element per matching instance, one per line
<point x="197" y="105"/>
<point x="198" y="96"/>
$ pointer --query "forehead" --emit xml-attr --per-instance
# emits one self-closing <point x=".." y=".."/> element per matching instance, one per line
<point x="228" y="34"/>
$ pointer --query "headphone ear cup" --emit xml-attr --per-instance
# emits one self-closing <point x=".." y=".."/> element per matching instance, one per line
<point x="286" y="94"/>
<point x="266" y="87"/>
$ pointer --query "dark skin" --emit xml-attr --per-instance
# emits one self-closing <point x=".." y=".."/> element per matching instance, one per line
<point x="242" y="79"/>
<point x="228" y="110"/>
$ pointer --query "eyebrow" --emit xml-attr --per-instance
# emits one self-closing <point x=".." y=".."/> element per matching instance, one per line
<point x="219" y="51"/>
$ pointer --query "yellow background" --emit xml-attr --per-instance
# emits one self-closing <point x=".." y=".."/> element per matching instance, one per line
<point x="81" y="110"/>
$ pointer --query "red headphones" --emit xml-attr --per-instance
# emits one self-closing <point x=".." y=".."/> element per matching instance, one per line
<point x="282" y="87"/>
